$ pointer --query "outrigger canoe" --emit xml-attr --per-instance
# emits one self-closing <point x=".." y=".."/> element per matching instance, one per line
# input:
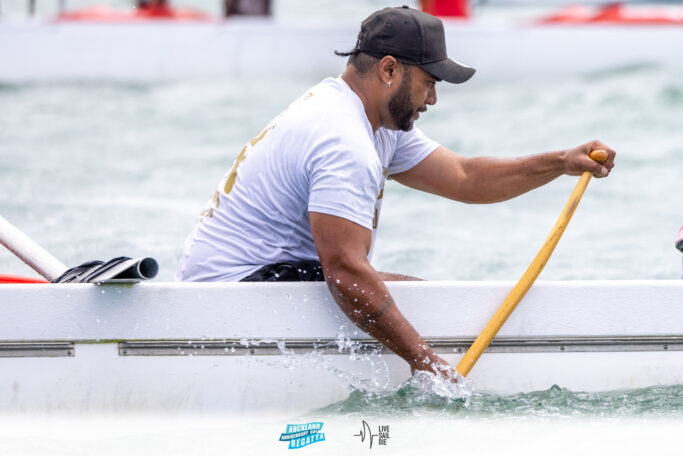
<point x="249" y="348"/>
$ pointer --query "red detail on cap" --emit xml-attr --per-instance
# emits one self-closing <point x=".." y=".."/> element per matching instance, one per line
<point x="446" y="8"/>
<point x="616" y="14"/>
<point x="4" y="278"/>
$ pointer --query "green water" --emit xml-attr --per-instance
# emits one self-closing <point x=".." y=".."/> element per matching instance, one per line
<point x="556" y="402"/>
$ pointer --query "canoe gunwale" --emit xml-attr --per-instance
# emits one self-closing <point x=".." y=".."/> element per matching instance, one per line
<point x="91" y="314"/>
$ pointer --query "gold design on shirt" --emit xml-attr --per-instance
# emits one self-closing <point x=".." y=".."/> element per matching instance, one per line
<point x="260" y="136"/>
<point x="232" y="174"/>
<point x="208" y="212"/>
<point x="375" y="220"/>
<point x="381" y="192"/>
<point x="230" y="181"/>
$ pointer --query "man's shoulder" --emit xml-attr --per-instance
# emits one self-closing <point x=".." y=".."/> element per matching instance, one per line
<point x="329" y="114"/>
<point x="332" y="99"/>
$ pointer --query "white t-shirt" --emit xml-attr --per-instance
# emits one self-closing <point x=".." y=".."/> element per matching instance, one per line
<point x="318" y="155"/>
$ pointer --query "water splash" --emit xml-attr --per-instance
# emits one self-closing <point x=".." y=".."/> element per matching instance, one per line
<point x="377" y="380"/>
<point x="423" y="393"/>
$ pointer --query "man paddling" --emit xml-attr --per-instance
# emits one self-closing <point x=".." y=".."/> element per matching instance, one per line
<point x="302" y="200"/>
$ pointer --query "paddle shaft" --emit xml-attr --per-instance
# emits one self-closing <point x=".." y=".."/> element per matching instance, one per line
<point x="29" y="251"/>
<point x="532" y="272"/>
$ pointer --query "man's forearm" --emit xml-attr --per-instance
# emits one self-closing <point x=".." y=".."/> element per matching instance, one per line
<point x="366" y="301"/>
<point x="491" y="180"/>
<point x="343" y="248"/>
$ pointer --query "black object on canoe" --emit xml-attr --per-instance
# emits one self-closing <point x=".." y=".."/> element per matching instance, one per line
<point x="116" y="270"/>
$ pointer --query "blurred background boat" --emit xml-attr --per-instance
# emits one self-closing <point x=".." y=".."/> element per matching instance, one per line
<point x="501" y="41"/>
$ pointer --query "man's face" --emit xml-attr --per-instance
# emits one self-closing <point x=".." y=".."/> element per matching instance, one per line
<point x="417" y="90"/>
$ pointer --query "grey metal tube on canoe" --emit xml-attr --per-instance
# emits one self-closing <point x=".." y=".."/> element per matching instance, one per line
<point x="120" y="269"/>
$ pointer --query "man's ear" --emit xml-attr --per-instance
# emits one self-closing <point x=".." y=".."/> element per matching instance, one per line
<point x="387" y="68"/>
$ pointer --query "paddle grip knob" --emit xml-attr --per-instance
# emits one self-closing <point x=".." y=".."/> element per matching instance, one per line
<point x="598" y="155"/>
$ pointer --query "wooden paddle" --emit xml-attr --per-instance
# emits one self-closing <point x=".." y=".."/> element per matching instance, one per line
<point x="532" y="272"/>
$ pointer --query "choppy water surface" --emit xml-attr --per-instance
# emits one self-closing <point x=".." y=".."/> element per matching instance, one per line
<point x="96" y="170"/>
<point x="414" y="398"/>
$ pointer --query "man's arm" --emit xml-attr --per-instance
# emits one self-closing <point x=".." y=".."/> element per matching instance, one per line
<point x="490" y="180"/>
<point x="343" y="250"/>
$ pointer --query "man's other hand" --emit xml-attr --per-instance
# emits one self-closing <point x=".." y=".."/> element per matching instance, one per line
<point x="576" y="160"/>
<point x="433" y="363"/>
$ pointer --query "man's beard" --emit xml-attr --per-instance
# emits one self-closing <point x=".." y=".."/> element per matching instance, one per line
<point x="400" y="107"/>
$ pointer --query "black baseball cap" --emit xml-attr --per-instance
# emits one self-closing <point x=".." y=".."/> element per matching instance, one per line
<point x="413" y="37"/>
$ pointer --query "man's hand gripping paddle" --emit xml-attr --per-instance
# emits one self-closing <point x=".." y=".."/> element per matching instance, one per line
<point x="531" y="273"/>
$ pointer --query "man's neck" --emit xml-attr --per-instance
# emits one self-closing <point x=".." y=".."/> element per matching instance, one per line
<point x="361" y="87"/>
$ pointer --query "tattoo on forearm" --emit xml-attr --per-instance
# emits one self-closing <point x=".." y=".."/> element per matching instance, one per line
<point x="380" y="312"/>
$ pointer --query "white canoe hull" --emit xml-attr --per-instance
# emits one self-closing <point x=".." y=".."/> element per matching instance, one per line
<point x="262" y="48"/>
<point x="218" y="347"/>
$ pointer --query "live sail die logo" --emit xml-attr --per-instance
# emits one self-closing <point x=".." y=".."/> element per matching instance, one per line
<point x="366" y="433"/>
<point x="301" y="435"/>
